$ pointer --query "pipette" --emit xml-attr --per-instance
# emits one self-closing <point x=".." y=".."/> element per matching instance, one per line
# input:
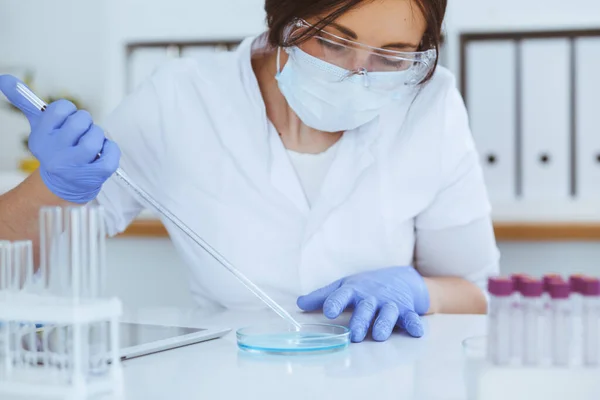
<point x="41" y="105"/>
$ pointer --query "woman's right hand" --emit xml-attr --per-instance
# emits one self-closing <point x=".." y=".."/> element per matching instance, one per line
<point x="66" y="142"/>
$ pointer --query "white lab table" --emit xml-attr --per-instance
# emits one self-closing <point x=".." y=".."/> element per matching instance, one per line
<point x="429" y="368"/>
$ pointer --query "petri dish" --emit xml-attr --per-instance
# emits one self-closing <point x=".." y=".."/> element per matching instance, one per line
<point x="284" y="339"/>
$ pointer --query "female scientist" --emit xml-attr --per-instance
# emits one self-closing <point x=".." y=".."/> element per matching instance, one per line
<point x="326" y="156"/>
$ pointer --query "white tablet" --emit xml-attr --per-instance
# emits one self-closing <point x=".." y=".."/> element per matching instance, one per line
<point x="142" y="339"/>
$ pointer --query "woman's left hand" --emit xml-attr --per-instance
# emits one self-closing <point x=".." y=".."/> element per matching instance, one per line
<point x="398" y="295"/>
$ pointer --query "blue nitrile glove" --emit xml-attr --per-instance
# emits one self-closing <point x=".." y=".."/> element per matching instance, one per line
<point x="399" y="294"/>
<point x="66" y="143"/>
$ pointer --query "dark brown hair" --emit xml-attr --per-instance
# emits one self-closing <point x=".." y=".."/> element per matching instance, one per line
<point x="280" y="13"/>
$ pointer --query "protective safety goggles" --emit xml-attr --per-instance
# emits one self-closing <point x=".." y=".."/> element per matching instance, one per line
<point x="380" y="68"/>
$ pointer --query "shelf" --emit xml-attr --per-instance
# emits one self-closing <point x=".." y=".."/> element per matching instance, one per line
<point x="505" y="231"/>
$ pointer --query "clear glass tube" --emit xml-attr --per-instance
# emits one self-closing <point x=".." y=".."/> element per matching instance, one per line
<point x="52" y="260"/>
<point x="561" y="322"/>
<point x="22" y="260"/>
<point x="5" y="261"/>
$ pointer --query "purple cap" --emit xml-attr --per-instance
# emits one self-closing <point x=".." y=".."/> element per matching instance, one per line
<point x="576" y="282"/>
<point x="590" y="287"/>
<point x="532" y="287"/>
<point x="500" y="286"/>
<point x="559" y="289"/>
<point x="549" y="278"/>
<point x="518" y="279"/>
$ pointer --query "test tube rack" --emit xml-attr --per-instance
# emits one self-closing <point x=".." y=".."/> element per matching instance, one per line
<point x="59" y="333"/>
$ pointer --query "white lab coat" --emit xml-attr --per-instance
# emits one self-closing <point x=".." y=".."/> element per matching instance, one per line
<point x="196" y="136"/>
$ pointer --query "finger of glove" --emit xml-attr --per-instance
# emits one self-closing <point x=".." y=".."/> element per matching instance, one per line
<point x="89" y="145"/>
<point x="338" y="301"/>
<point x="411" y="323"/>
<point x="54" y="117"/>
<point x="385" y="322"/>
<point x="361" y="319"/>
<point x="314" y="301"/>
<point x="73" y="129"/>
<point x="8" y="86"/>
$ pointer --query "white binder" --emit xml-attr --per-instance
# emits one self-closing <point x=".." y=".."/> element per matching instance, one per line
<point x="546" y="119"/>
<point x="588" y="118"/>
<point x="490" y="97"/>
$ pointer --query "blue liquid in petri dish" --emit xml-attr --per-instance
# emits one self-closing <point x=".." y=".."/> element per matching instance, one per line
<point x="285" y="340"/>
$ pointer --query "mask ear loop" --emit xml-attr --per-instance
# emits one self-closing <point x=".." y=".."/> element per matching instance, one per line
<point x="278" y="59"/>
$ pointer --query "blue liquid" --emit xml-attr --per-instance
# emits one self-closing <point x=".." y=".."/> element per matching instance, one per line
<point x="293" y="342"/>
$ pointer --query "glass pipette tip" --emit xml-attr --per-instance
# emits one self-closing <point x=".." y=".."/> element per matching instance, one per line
<point x="265" y="298"/>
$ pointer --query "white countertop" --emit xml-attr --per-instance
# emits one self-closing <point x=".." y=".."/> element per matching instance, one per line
<point x="429" y="368"/>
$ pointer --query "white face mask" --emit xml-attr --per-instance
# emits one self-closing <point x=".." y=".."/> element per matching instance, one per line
<point x="322" y="101"/>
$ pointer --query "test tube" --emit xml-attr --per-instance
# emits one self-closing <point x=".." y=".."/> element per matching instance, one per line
<point x="517" y="318"/>
<point x="561" y="321"/>
<point x="591" y="321"/>
<point x="531" y="291"/>
<point x="500" y="315"/>
<point x="576" y="282"/>
<point x="52" y="257"/>
<point x="5" y="326"/>
<point x="5" y="261"/>
<point x="547" y="317"/>
<point x="22" y="264"/>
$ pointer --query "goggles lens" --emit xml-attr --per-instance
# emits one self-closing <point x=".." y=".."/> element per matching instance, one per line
<point x="354" y="57"/>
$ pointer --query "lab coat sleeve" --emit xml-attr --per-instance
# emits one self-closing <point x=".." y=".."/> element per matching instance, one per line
<point x="466" y="251"/>
<point x="461" y="196"/>
<point x="454" y="234"/>
<point x="135" y="125"/>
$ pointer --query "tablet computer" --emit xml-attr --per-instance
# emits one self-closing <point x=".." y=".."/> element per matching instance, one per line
<point x="138" y="340"/>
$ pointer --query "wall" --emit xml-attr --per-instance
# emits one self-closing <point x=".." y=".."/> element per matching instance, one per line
<point x="147" y="273"/>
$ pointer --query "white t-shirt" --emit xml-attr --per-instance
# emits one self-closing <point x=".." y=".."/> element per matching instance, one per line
<point x="312" y="170"/>
<point x="404" y="189"/>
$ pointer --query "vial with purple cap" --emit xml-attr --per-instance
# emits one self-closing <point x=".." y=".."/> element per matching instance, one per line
<point x="576" y="282"/>
<point x="531" y="292"/>
<point x="561" y="321"/>
<point x="500" y="316"/>
<point x="517" y="316"/>
<point x="590" y="289"/>
<point x="547" y="317"/>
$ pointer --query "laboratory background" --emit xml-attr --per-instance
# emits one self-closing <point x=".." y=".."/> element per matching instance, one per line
<point x="529" y="72"/>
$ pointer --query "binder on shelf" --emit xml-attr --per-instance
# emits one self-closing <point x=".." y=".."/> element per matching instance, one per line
<point x="546" y="119"/>
<point x="588" y="118"/>
<point x="490" y="96"/>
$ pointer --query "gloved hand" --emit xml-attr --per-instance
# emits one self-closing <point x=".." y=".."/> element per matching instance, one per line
<point x="399" y="294"/>
<point x="66" y="143"/>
